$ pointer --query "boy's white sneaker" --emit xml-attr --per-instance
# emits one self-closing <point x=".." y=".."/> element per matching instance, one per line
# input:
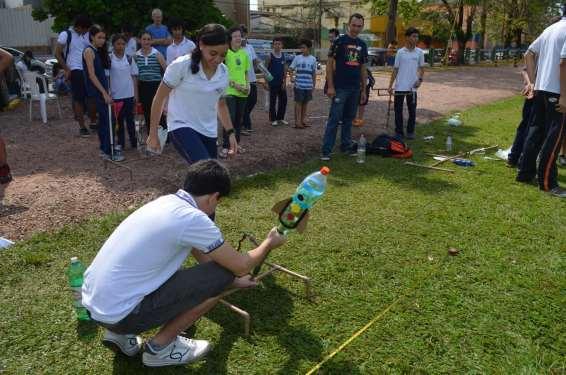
<point x="180" y="352"/>
<point x="130" y="345"/>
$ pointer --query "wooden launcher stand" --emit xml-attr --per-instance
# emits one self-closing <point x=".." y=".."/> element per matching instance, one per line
<point x="272" y="268"/>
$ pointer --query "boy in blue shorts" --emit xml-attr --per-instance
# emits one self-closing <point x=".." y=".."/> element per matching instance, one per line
<point x="304" y="69"/>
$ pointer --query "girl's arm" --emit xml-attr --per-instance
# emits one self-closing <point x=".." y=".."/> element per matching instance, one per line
<point x="224" y="116"/>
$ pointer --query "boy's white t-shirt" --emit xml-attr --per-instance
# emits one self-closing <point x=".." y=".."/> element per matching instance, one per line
<point x="144" y="252"/>
<point x="175" y="50"/>
<point x="121" y="72"/>
<point x="408" y="63"/>
<point x="78" y="44"/>
<point x="548" y="48"/>
<point x="193" y="101"/>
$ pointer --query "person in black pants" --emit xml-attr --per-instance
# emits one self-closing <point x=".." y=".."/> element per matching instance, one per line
<point x="252" y="96"/>
<point x="407" y="75"/>
<point x="546" y="132"/>
<point x="522" y="129"/>
<point x="277" y="66"/>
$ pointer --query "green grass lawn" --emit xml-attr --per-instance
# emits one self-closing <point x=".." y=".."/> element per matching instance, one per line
<point x="381" y="232"/>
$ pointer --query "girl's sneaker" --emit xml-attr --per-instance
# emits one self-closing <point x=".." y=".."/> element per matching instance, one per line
<point x="223" y="154"/>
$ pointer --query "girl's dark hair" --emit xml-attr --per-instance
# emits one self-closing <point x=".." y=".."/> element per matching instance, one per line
<point x="212" y="34"/>
<point x="117" y="37"/>
<point x="102" y="51"/>
<point x="145" y="32"/>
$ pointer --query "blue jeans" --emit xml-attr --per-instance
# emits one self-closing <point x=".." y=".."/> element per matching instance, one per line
<point x="103" y="125"/>
<point x="192" y="145"/>
<point x="344" y="107"/>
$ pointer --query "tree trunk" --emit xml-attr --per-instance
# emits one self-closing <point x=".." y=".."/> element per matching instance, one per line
<point x="391" y="33"/>
<point x="483" y="23"/>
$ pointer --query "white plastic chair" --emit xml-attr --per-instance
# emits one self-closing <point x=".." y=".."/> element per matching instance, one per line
<point x="30" y="90"/>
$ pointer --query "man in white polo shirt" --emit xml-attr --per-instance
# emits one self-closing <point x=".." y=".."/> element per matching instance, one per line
<point x="181" y="45"/>
<point x="136" y="283"/>
<point x="408" y="75"/>
<point x="546" y="131"/>
<point x="69" y="53"/>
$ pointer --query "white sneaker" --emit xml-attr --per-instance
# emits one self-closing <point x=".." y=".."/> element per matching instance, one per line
<point x="275" y="123"/>
<point x="179" y="352"/>
<point x="283" y="122"/>
<point x="130" y="345"/>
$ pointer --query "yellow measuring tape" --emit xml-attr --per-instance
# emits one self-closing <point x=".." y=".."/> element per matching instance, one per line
<point x="347" y="342"/>
<point x="371" y="322"/>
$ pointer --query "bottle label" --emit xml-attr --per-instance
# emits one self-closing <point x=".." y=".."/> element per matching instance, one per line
<point x="77" y="296"/>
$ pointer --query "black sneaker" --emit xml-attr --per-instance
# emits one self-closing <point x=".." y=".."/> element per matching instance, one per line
<point x="93" y="126"/>
<point x="411" y="136"/>
<point x="558" y="192"/>
<point x="526" y="180"/>
<point x="83" y="132"/>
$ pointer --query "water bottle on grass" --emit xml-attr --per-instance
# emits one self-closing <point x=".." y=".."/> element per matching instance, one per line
<point x="75" y="274"/>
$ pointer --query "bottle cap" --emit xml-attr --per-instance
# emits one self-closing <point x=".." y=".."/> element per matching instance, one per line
<point x="74" y="260"/>
<point x="325" y="170"/>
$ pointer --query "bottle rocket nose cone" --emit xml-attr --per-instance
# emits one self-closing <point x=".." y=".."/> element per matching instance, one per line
<point x="325" y="170"/>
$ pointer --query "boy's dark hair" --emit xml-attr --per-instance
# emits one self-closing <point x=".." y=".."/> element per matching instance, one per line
<point x="82" y="21"/>
<point x="176" y="23"/>
<point x="243" y="29"/>
<point x="411" y="30"/>
<point x="207" y="177"/>
<point x="278" y="39"/>
<point x="306" y="42"/>
<point x="355" y="15"/>
<point x="334" y="31"/>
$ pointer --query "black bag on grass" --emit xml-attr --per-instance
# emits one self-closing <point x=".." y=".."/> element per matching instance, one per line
<point x="388" y="146"/>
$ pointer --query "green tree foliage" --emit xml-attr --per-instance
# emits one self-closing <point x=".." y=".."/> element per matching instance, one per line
<point x="111" y="14"/>
<point x="406" y="9"/>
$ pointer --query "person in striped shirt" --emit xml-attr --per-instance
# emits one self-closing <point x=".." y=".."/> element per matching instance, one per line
<point x="304" y="69"/>
<point x="151" y="64"/>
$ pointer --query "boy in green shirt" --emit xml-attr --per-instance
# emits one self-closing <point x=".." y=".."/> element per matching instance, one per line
<point x="238" y="63"/>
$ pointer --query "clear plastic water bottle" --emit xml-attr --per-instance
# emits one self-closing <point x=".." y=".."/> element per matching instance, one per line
<point x="265" y="71"/>
<point x="307" y="194"/>
<point x="362" y="150"/>
<point x="449" y="144"/>
<point x="75" y="274"/>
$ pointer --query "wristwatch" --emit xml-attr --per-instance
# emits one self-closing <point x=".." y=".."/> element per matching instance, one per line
<point x="230" y="131"/>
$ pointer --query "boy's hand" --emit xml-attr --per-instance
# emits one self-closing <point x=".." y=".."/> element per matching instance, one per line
<point x="275" y="239"/>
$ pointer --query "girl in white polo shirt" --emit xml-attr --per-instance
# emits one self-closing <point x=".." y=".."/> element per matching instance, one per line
<point x="124" y="90"/>
<point x="195" y="86"/>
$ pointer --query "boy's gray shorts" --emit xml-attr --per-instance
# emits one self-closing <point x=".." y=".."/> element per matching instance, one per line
<point x="186" y="289"/>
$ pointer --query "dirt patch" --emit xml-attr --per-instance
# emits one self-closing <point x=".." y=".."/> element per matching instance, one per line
<point x="59" y="178"/>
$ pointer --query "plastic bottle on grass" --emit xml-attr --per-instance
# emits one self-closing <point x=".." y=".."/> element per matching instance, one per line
<point x="307" y="194"/>
<point x="75" y="274"/>
<point x="449" y="144"/>
<point x="463" y="162"/>
<point x="362" y="150"/>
